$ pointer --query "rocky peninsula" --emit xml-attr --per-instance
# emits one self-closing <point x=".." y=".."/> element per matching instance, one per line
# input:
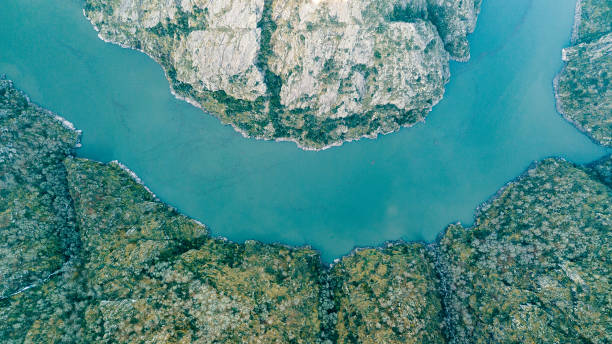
<point x="317" y="72"/>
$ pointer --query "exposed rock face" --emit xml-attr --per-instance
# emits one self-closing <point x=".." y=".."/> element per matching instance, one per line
<point x="536" y="266"/>
<point x="318" y="72"/>
<point x="339" y="58"/>
<point x="584" y="87"/>
<point x="230" y="30"/>
<point x="454" y="20"/>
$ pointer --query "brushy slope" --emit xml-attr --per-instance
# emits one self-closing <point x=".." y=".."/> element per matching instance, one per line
<point x="87" y="254"/>
<point x="536" y="266"/>
<point x="584" y="87"/>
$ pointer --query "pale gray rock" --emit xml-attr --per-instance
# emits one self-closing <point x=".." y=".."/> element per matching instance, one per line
<point x="341" y="58"/>
<point x="317" y="72"/>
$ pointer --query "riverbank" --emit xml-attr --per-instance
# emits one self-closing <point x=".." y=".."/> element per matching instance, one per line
<point x="319" y="120"/>
<point x="136" y="256"/>
<point x="300" y="145"/>
<point x="582" y="88"/>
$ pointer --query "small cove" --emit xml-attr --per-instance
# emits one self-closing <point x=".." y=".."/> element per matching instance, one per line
<point x="498" y="116"/>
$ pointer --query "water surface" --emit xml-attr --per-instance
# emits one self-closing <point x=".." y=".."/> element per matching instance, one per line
<point x="497" y="117"/>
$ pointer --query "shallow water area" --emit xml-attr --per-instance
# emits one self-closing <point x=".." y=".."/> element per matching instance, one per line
<point x="497" y="117"/>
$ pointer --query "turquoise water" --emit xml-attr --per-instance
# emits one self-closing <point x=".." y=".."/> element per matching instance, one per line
<point x="497" y="117"/>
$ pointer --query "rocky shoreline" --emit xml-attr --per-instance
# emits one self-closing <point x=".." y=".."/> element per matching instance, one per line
<point x="302" y="123"/>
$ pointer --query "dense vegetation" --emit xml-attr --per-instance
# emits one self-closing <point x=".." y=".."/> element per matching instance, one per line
<point x="89" y="255"/>
<point x="536" y="266"/>
<point x="584" y="87"/>
<point x="388" y="295"/>
<point x="39" y="283"/>
<point x="595" y="20"/>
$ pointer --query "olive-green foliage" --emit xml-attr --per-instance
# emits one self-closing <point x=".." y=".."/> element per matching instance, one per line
<point x="50" y="312"/>
<point x="137" y="271"/>
<point x="157" y="274"/>
<point x="37" y="231"/>
<point x="106" y="262"/>
<point x="595" y="20"/>
<point x="584" y="87"/>
<point x="535" y="268"/>
<point x="388" y="295"/>
<point x="40" y="296"/>
<point x="602" y="170"/>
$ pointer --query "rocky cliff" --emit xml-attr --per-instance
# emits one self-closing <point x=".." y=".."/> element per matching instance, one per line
<point x="317" y="72"/>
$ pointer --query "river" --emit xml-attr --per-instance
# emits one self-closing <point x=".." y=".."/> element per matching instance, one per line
<point x="497" y="117"/>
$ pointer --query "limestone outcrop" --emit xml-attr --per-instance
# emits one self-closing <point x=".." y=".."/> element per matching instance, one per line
<point x="317" y="72"/>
